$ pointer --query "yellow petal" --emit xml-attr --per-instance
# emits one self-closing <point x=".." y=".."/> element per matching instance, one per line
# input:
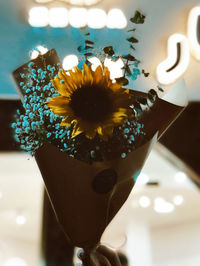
<point x="98" y="74"/>
<point x="87" y="74"/>
<point x="59" y="105"/>
<point x="61" y="88"/>
<point x="76" y="131"/>
<point x="107" y="76"/>
<point x="76" y="77"/>
<point x="67" y="121"/>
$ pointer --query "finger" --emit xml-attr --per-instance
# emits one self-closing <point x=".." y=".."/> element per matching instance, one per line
<point x="85" y="258"/>
<point x="93" y="258"/>
<point x="110" y="255"/>
<point x="100" y="259"/>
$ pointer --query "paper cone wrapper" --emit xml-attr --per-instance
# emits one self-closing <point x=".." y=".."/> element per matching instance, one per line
<point x="86" y="197"/>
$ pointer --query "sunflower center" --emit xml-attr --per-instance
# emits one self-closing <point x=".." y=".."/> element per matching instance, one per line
<point x="91" y="103"/>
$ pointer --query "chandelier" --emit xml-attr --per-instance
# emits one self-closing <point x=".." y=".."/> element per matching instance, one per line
<point x="72" y="2"/>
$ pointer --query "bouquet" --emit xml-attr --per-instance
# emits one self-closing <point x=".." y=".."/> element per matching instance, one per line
<point x="90" y="135"/>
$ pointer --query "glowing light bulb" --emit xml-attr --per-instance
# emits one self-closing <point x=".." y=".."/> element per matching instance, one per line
<point x="82" y="2"/>
<point x="78" y="17"/>
<point x="70" y="61"/>
<point x="38" y="50"/>
<point x="20" y="220"/>
<point x="76" y="2"/>
<point x="95" y="62"/>
<point x="142" y="179"/>
<point x="116" y="19"/>
<point x="163" y="206"/>
<point x="180" y="177"/>
<point x="178" y="200"/>
<point x="38" y="17"/>
<point x="58" y="17"/>
<point x="43" y="1"/>
<point x="97" y="18"/>
<point x="115" y="67"/>
<point x="173" y="67"/>
<point x="144" y="201"/>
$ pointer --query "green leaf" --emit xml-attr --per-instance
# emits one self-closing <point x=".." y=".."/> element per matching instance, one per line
<point x="83" y="49"/>
<point x="127" y="70"/>
<point x="145" y="73"/>
<point x="88" y="54"/>
<point x="109" y="50"/>
<point x="132" y="40"/>
<point x="160" y="89"/>
<point x="138" y="18"/>
<point x="132" y="47"/>
<point x="88" y="42"/>
<point x="122" y="81"/>
<point x="80" y="48"/>
<point x="129" y="57"/>
<point x="134" y="29"/>
<point x="88" y="47"/>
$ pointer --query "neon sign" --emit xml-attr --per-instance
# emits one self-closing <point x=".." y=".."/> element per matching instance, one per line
<point x="179" y="48"/>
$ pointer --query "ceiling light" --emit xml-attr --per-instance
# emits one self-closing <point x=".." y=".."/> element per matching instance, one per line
<point x="178" y="200"/>
<point x="144" y="201"/>
<point x="115" y="67"/>
<point x="73" y="2"/>
<point x="180" y="177"/>
<point x="38" y="50"/>
<point x="78" y="17"/>
<point x="58" y="17"/>
<point x="193" y="31"/>
<point x="116" y="19"/>
<point x="95" y="62"/>
<point x="20" y="220"/>
<point x="70" y="61"/>
<point x="15" y="262"/>
<point x="38" y="17"/>
<point x="97" y="18"/>
<point x="163" y="206"/>
<point x="43" y="1"/>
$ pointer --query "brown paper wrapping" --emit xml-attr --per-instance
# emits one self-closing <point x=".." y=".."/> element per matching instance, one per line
<point x="86" y="197"/>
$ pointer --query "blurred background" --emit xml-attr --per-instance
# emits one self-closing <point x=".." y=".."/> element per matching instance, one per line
<point x="159" y="225"/>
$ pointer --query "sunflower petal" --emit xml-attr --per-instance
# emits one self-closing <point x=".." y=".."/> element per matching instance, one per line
<point x="60" y="106"/>
<point x="75" y="77"/>
<point x="60" y="87"/>
<point x="67" y="121"/>
<point x="107" y="77"/>
<point x="76" y="131"/>
<point x="98" y="74"/>
<point x="87" y="74"/>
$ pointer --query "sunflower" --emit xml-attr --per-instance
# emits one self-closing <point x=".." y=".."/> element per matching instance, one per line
<point x="90" y="101"/>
